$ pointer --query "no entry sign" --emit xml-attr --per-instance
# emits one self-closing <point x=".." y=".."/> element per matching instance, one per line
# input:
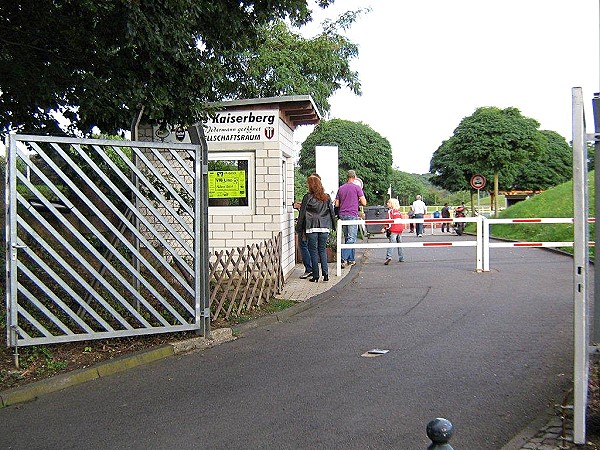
<point x="477" y="182"/>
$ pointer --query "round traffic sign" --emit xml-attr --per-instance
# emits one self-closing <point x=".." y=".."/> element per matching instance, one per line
<point x="477" y="181"/>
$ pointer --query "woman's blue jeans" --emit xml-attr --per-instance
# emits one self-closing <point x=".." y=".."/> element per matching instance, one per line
<point x="395" y="238"/>
<point x="317" y="244"/>
<point x="306" y="260"/>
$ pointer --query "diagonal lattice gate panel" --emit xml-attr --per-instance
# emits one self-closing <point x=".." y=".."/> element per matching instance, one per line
<point x="103" y="239"/>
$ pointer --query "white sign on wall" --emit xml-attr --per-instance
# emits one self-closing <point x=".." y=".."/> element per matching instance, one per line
<point x="229" y="126"/>
<point x="242" y="126"/>
<point x="326" y="157"/>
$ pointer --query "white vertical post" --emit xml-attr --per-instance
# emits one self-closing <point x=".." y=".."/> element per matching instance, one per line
<point x="485" y="244"/>
<point x="338" y="259"/>
<point x="479" y="248"/>
<point x="580" y="268"/>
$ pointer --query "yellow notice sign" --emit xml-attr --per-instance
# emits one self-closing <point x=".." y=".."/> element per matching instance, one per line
<point x="226" y="183"/>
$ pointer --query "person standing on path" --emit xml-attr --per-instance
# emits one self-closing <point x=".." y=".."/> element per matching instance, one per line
<point x="394" y="230"/>
<point x="446" y="215"/>
<point x="420" y="210"/>
<point x="316" y="219"/>
<point x="303" y="244"/>
<point x="349" y="197"/>
<point x="411" y="215"/>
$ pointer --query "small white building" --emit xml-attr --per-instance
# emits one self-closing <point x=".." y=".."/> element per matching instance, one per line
<point x="251" y="169"/>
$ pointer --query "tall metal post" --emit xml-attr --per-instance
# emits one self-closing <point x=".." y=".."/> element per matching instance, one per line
<point x="580" y="269"/>
<point x="596" y="324"/>
<point x="11" y="241"/>
<point x="201" y="227"/>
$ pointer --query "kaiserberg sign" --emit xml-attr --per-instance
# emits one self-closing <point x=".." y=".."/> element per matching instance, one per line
<point x="231" y="126"/>
<point x="246" y="126"/>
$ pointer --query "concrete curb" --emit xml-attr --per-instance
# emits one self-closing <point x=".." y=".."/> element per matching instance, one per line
<point x="34" y="390"/>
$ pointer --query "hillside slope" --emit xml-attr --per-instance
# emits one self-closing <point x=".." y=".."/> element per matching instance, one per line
<point x="555" y="202"/>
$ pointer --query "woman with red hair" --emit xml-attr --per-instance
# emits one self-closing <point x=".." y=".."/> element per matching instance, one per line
<point x="316" y="219"/>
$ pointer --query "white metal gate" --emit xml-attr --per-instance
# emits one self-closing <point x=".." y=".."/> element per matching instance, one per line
<point x="104" y="239"/>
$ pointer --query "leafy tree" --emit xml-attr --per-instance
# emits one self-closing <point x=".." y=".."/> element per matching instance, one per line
<point x="360" y="148"/>
<point x="101" y="62"/>
<point x="491" y="142"/>
<point x="285" y="63"/>
<point x="300" y="187"/>
<point x="449" y="171"/>
<point x="553" y="166"/>
<point x="406" y="187"/>
<point x="591" y="153"/>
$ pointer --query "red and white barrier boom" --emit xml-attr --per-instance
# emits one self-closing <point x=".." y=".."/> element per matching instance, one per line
<point x="481" y="240"/>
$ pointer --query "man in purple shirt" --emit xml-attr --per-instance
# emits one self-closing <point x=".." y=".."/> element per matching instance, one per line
<point x="349" y="197"/>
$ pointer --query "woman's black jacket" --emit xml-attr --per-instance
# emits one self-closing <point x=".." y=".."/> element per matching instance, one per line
<point x="315" y="213"/>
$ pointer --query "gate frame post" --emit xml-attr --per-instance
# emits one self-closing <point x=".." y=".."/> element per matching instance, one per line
<point x="580" y="268"/>
<point x="11" y="246"/>
<point x="11" y="240"/>
<point x="202" y="289"/>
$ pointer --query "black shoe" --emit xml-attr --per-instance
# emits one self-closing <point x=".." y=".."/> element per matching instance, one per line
<point x="314" y="280"/>
<point x="305" y="275"/>
<point x="325" y="277"/>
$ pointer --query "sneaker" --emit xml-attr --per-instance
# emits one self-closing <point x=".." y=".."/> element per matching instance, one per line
<point x="419" y="235"/>
<point x="305" y="275"/>
<point x="401" y="260"/>
<point x="388" y="261"/>
<point x="350" y="263"/>
<point x="343" y="264"/>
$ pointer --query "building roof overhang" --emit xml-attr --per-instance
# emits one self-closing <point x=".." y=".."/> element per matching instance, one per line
<point x="294" y="110"/>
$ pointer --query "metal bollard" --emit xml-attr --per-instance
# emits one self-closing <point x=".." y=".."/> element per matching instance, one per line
<point x="440" y="431"/>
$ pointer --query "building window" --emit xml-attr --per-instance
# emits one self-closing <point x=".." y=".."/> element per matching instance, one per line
<point x="231" y="182"/>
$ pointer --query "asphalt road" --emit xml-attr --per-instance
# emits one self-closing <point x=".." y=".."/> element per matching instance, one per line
<point x="488" y="351"/>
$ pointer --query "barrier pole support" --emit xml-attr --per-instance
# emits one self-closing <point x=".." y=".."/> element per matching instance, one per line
<point x="485" y="238"/>
<point x="338" y="250"/>
<point x="478" y="248"/>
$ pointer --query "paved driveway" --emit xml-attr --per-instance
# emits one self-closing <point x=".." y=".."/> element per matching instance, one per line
<point x="488" y="351"/>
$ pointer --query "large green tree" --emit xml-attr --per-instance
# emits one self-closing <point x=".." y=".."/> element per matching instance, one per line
<point x="406" y="186"/>
<point x="360" y="148"/>
<point x="493" y="142"/>
<point x="553" y="166"/>
<point x="285" y="63"/>
<point x="99" y="62"/>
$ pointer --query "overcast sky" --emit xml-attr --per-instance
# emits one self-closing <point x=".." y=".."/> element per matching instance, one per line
<point x="426" y="64"/>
